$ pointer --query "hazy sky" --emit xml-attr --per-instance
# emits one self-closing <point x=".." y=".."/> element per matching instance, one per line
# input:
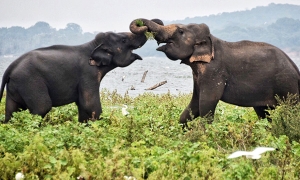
<point x="115" y="15"/>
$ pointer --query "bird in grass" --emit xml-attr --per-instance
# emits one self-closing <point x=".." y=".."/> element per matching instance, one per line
<point x="80" y="177"/>
<point x="129" y="178"/>
<point x="124" y="110"/>
<point x="255" y="154"/>
<point x="20" y="176"/>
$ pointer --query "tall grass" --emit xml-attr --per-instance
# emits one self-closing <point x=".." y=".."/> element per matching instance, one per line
<point x="147" y="144"/>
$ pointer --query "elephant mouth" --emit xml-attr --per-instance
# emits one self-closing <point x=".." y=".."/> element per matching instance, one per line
<point x="136" y="56"/>
<point x="165" y="45"/>
<point x="165" y="42"/>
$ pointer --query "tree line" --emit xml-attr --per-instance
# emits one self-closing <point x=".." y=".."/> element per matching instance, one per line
<point x="18" y="40"/>
<point x="277" y="24"/>
<point x="283" y="33"/>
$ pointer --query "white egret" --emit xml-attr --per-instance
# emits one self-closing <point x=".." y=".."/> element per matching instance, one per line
<point x="129" y="178"/>
<point x="80" y="177"/>
<point x="123" y="78"/>
<point x="255" y="154"/>
<point x="124" y="110"/>
<point x="20" y="176"/>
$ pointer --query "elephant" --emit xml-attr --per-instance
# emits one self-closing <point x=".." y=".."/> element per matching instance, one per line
<point x="60" y="74"/>
<point x="243" y="73"/>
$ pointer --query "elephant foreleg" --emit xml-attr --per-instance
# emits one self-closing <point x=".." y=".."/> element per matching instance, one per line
<point x="85" y="115"/>
<point x="209" y="96"/>
<point x="207" y="109"/>
<point x="89" y="107"/>
<point x="191" y="111"/>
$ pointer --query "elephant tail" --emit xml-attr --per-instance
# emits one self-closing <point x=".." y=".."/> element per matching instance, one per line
<point x="5" y="80"/>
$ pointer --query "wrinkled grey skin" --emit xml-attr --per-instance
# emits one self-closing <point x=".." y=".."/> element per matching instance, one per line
<point x="58" y="75"/>
<point x="243" y="73"/>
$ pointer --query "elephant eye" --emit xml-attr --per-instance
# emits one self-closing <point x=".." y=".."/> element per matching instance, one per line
<point x="107" y="50"/>
<point x="180" y="31"/>
<point x="124" y="40"/>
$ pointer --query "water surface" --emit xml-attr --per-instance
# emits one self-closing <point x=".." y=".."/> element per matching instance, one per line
<point x="178" y="76"/>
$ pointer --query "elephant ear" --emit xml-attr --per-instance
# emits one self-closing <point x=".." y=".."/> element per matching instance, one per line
<point x="203" y="47"/>
<point x="203" y="50"/>
<point x="100" y="56"/>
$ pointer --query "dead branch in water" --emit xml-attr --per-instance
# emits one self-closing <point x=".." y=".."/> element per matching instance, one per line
<point x="144" y="76"/>
<point x="157" y="85"/>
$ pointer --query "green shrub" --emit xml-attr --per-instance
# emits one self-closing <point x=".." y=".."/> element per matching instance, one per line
<point x="286" y="118"/>
<point x="149" y="143"/>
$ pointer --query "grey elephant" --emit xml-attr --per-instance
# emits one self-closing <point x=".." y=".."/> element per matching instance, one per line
<point x="243" y="73"/>
<point x="60" y="74"/>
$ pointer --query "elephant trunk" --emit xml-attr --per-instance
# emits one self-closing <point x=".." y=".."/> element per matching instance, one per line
<point x="138" y="29"/>
<point x="138" y="40"/>
<point x="156" y="26"/>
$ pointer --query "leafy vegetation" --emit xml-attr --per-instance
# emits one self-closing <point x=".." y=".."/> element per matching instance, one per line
<point x="139" y="23"/>
<point x="149" y="35"/>
<point x="149" y="143"/>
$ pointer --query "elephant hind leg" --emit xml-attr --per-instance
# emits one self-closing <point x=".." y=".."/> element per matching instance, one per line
<point x="40" y="107"/>
<point x="11" y="106"/>
<point x="36" y="97"/>
<point x="40" y="104"/>
<point x="262" y="113"/>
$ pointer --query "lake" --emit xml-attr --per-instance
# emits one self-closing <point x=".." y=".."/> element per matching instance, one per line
<point x="178" y="76"/>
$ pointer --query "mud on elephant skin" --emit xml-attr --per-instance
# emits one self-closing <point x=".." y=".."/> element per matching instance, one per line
<point x="243" y="73"/>
<point x="57" y="75"/>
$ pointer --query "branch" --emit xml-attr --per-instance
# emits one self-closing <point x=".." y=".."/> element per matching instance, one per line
<point x="157" y="85"/>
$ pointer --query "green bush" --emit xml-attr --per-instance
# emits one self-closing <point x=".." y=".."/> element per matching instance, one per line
<point x="286" y="118"/>
<point x="148" y="143"/>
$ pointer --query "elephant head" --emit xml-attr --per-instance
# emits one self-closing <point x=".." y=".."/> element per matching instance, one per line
<point x="191" y="42"/>
<point x="116" y="49"/>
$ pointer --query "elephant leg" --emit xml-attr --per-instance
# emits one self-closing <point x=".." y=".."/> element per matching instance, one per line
<point x="10" y="107"/>
<point x="89" y="106"/>
<point x="36" y="98"/>
<point x="262" y="113"/>
<point x="84" y="114"/>
<point x="191" y="111"/>
<point x="207" y="109"/>
<point x="209" y="96"/>
<point x="41" y="106"/>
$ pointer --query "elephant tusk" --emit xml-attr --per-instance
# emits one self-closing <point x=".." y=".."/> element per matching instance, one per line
<point x="92" y="62"/>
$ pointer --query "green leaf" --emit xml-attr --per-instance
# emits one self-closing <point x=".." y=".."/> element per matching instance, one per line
<point x="52" y="160"/>
<point x="139" y="23"/>
<point x="47" y="166"/>
<point x="63" y="162"/>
